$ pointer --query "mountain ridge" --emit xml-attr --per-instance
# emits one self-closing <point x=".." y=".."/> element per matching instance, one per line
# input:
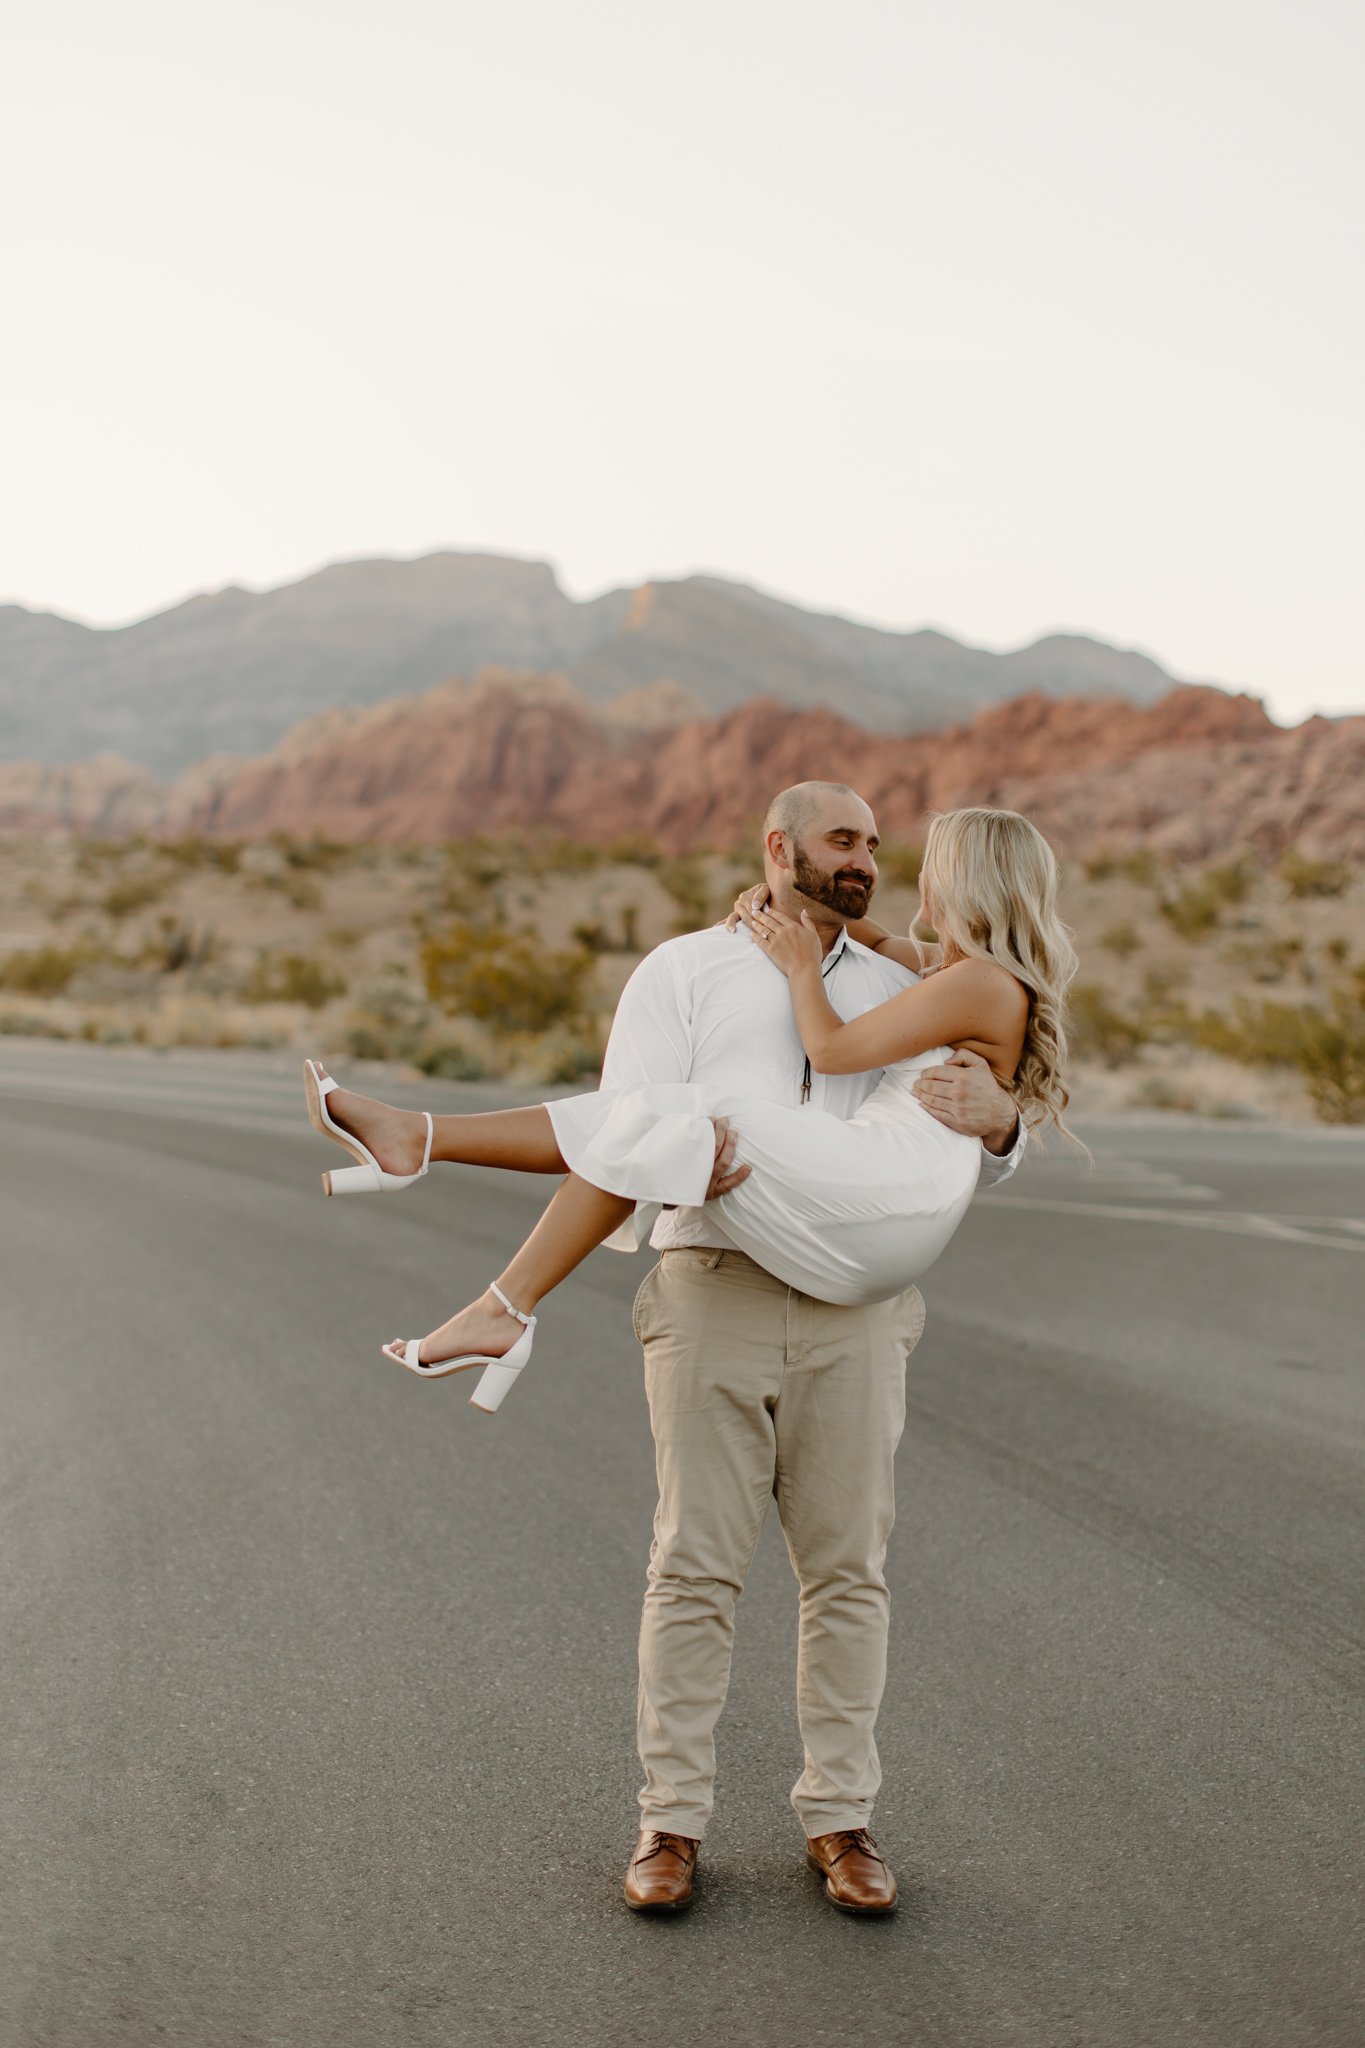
<point x="233" y="670"/>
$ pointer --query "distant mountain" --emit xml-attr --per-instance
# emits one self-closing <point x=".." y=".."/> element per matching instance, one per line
<point x="232" y="671"/>
<point x="1199" y="773"/>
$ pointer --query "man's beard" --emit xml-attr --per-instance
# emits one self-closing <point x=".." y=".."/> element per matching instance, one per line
<point x="846" y="893"/>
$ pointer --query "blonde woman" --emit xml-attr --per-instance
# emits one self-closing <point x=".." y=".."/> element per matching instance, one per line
<point x="851" y="1212"/>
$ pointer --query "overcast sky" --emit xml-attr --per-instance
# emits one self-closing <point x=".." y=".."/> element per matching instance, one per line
<point x="1002" y="318"/>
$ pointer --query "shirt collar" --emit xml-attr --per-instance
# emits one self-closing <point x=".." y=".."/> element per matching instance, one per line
<point x="835" y="950"/>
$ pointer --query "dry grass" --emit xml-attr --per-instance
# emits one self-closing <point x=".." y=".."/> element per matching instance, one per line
<point x="1231" y="990"/>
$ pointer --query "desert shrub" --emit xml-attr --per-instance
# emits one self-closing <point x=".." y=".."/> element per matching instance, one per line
<point x="1326" y="1046"/>
<point x="1141" y="865"/>
<point x="314" y="852"/>
<point x="1267" y="960"/>
<point x="15" y="1023"/>
<point x="1122" y="939"/>
<point x="564" y="1057"/>
<point x="1197" y="908"/>
<point x="194" y="850"/>
<point x="593" y="938"/>
<point x="1338" y="950"/>
<point x="291" y="978"/>
<point x="132" y="892"/>
<point x="560" y="857"/>
<point x="634" y="851"/>
<point x="298" y="889"/>
<point x="448" y="1060"/>
<point x="175" y="945"/>
<point x="1193" y="911"/>
<point x="97" y="856"/>
<point x="900" y="862"/>
<point x="685" y="880"/>
<point x="1098" y="1029"/>
<point x="1304" y="877"/>
<point x="42" y="970"/>
<point x="1230" y="880"/>
<point x="506" y="978"/>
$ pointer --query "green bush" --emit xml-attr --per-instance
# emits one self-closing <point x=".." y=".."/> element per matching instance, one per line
<point x="1230" y="880"/>
<point x="291" y="978"/>
<point x="1327" y="1048"/>
<point x="175" y="945"/>
<point x="193" y="850"/>
<point x="506" y="978"/>
<point x="1097" y="1029"/>
<point x="1141" y="865"/>
<point x="900" y="862"/>
<point x="1192" y="911"/>
<point x="1122" y="939"/>
<point x="686" y="882"/>
<point x="42" y="970"/>
<point x="315" y="852"/>
<point x="446" y="1061"/>
<point x="1267" y="960"/>
<point x="133" y="892"/>
<point x="1304" y="877"/>
<point x="638" y="851"/>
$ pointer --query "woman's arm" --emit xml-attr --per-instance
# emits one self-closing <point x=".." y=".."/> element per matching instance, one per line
<point x="916" y="954"/>
<point x="974" y="999"/>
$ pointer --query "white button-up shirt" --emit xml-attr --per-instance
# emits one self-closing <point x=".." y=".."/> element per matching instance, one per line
<point x="711" y="1007"/>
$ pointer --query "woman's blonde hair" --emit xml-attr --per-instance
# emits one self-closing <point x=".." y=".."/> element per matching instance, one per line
<point x="994" y="883"/>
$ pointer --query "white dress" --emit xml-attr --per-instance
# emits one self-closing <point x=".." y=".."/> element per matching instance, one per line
<point x="850" y="1211"/>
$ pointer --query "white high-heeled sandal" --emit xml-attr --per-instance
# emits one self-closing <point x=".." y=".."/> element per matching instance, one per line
<point x="497" y="1379"/>
<point x="353" y="1180"/>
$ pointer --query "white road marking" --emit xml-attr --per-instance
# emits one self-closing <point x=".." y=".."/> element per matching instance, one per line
<point x="1285" y="1229"/>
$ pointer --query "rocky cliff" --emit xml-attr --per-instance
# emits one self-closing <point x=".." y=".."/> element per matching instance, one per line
<point x="1194" y="774"/>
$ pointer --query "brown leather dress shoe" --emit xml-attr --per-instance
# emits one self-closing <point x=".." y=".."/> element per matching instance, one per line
<point x="856" y="1878"/>
<point x="659" y="1874"/>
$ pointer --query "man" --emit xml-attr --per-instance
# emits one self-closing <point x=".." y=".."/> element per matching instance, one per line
<point x="758" y="1392"/>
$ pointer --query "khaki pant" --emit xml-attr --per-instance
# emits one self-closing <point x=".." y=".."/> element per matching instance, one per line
<point x="757" y="1392"/>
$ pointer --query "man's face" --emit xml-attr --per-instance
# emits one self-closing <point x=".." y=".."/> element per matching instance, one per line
<point x="832" y="861"/>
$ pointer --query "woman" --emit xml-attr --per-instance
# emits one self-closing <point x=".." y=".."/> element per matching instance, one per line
<point x="850" y="1212"/>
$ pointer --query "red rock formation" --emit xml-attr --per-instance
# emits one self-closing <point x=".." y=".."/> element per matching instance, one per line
<point x="1197" y="774"/>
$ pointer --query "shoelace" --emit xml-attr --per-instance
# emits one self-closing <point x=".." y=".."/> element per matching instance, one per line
<point x="858" y="1838"/>
<point x="657" y="1840"/>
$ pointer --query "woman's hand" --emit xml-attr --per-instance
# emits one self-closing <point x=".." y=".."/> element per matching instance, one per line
<point x="746" y="903"/>
<point x="789" y="942"/>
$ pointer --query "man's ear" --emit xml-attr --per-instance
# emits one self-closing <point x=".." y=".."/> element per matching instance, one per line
<point x="775" y="847"/>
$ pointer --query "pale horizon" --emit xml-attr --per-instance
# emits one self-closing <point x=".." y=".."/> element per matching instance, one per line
<point x="992" y="322"/>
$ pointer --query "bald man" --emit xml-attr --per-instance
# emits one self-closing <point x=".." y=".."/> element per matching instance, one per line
<point x="758" y="1392"/>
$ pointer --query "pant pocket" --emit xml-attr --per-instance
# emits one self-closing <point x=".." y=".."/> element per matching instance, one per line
<point x="639" y="1312"/>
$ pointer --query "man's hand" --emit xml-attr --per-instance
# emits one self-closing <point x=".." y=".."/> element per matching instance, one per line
<point x="725" y="1174"/>
<point x="965" y="1095"/>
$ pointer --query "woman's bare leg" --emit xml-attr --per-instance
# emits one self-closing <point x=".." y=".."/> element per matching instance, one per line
<point x="520" y="1138"/>
<point x="576" y="1220"/>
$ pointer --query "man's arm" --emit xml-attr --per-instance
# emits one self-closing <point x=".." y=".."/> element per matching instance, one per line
<point x="965" y="1095"/>
<point x="651" y="1040"/>
<point x="651" y="1035"/>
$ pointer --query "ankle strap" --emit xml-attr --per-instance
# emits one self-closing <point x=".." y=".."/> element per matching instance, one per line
<point x="528" y="1320"/>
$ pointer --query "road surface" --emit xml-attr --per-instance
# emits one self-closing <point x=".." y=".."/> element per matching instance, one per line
<point x="319" y="1686"/>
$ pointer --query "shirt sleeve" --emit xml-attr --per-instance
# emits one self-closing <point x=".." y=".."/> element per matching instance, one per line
<point x="650" y="1040"/>
<point x="996" y="1167"/>
<point x="651" y="1033"/>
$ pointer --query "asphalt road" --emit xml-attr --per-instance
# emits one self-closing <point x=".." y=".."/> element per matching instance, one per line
<point x="318" y="1686"/>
